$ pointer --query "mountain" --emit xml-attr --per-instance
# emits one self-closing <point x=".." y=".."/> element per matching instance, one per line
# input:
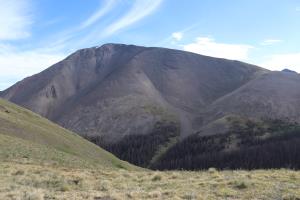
<point x="26" y="137"/>
<point x="131" y="99"/>
<point x="272" y="95"/>
<point x="40" y="160"/>
<point x="129" y="85"/>
<point x="288" y="70"/>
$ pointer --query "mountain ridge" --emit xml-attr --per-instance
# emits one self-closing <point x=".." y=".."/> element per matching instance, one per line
<point x="116" y="93"/>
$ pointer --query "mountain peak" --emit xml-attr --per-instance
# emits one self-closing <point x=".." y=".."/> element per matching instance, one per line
<point x="289" y="71"/>
<point x="116" y="45"/>
<point x="119" y="94"/>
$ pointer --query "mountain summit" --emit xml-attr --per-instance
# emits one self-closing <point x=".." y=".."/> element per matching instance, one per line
<point x="125" y="96"/>
<point x="288" y="70"/>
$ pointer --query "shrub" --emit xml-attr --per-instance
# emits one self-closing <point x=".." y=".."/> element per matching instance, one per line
<point x="156" y="178"/>
<point x="240" y="185"/>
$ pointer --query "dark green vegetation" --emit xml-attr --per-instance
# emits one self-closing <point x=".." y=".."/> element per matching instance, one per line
<point x="247" y="145"/>
<point x="143" y="150"/>
<point x="27" y="137"/>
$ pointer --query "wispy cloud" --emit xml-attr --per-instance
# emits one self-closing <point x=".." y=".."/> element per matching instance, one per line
<point x="139" y="10"/>
<point x="209" y="47"/>
<point x="92" y="29"/>
<point x="102" y="11"/>
<point x="15" y="19"/>
<point x="15" y="23"/>
<point x="269" y="42"/>
<point x="69" y="37"/>
<point x="298" y="9"/>
<point x="281" y="61"/>
<point x="20" y="64"/>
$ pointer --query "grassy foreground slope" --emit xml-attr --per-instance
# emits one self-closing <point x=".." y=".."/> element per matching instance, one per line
<point x="40" y="160"/>
<point x="27" y="137"/>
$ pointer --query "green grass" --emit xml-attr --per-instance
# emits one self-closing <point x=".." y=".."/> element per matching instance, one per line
<point x="26" y="135"/>
<point x="162" y="149"/>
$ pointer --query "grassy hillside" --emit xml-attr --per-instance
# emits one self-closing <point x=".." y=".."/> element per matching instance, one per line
<point x="27" y="137"/>
<point x="40" y="160"/>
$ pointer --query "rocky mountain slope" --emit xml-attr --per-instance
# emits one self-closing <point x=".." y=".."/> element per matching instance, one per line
<point x="131" y="99"/>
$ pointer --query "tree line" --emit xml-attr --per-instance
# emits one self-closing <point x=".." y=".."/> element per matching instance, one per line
<point x="140" y="149"/>
<point x="256" y="147"/>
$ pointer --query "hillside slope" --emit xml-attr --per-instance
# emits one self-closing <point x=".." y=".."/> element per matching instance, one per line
<point x="27" y="137"/>
<point x="128" y="86"/>
<point x="131" y="99"/>
<point x="246" y="144"/>
<point x="273" y="95"/>
<point x="40" y="160"/>
<point x="121" y="95"/>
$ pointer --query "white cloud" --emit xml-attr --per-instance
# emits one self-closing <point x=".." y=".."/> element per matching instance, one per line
<point x="139" y="10"/>
<point x="298" y="9"/>
<point x="102" y="11"/>
<point x="177" y="36"/>
<point x="15" y="23"/>
<point x="208" y="46"/>
<point x="16" y="65"/>
<point x="268" y="42"/>
<point x="281" y="61"/>
<point x="15" y="19"/>
<point x="66" y="37"/>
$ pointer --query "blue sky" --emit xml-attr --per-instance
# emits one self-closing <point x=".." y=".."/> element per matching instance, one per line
<point x="35" y="34"/>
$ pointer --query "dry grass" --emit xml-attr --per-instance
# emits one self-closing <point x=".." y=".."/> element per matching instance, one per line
<point x="30" y="181"/>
